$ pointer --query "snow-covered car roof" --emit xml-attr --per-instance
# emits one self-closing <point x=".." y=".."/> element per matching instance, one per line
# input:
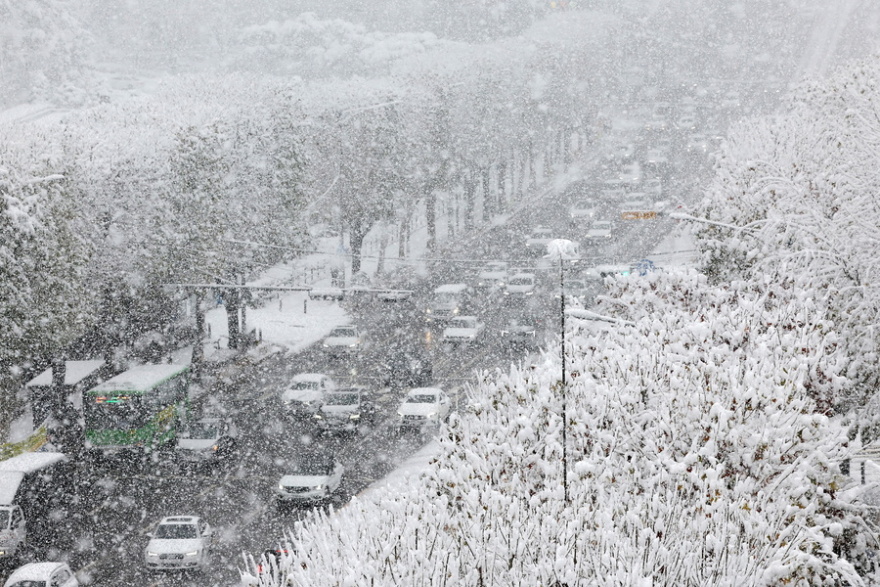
<point x="34" y="572"/>
<point x="309" y="377"/>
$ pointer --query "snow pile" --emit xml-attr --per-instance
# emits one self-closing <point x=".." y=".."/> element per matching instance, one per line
<point x="696" y="455"/>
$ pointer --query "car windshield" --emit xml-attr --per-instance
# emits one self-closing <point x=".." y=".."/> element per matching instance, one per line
<point x="464" y="323"/>
<point x="176" y="531"/>
<point x="203" y="430"/>
<point x="4" y="519"/>
<point x="312" y="467"/>
<point x="28" y="583"/>
<point x="342" y="399"/>
<point x="521" y="281"/>
<point x="422" y="398"/>
<point x="583" y="206"/>
<point x="343" y="332"/>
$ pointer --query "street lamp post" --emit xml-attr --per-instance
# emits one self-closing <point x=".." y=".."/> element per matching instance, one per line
<point x="563" y="250"/>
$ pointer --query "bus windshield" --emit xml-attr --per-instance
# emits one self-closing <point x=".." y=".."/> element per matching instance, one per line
<point x="115" y="413"/>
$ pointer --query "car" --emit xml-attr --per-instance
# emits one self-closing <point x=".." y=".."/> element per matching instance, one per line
<point x="536" y="243"/>
<point x="599" y="233"/>
<point x="45" y="574"/>
<point x="13" y="530"/>
<point x="492" y="276"/>
<point x="344" y="410"/>
<point x="697" y="144"/>
<point x="409" y="368"/>
<point x="311" y="479"/>
<point x="344" y="339"/>
<point x="521" y="284"/>
<point x="656" y="161"/>
<point x="179" y="543"/>
<point x="582" y="211"/>
<point x="518" y="334"/>
<point x="449" y="299"/>
<point x="423" y="406"/>
<point x="623" y="152"/>
<point x="207" y="440"/>
<point x="686" y="121"/>
<point x="653" y="187"/>
<point x="463" y="329"/>
<point x="575" y="288"/>
<point x="305" y="394"/>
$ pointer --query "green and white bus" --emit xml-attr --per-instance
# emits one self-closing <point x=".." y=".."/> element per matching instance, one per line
<point x="139" y="409"/>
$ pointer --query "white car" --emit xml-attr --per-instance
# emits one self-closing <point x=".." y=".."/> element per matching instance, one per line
<point x="464" y="329"/>
<point x="423" y="406"/>
<point x="521" y="284"/>
<point x="207" y="440"/>
<point x="179" y="542"/>
<point x="306" y="392"/>
<point x="599" y="233"/>
<point x="536" y="244"/>
<point x="583" y="211"/>
<point x="42" y="575"/>
<point x="311" y="479"/>
<point x="344" y="339"/>
<point x="13" y="531"/>
<point x="493" y="276"/>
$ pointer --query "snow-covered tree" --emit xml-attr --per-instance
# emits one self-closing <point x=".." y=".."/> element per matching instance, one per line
<point x="794" y="200"/>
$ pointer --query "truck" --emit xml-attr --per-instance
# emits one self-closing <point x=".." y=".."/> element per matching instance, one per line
<point x="35" y="489"/>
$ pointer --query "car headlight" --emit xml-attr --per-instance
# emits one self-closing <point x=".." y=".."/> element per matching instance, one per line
<point x="192" y="553"/>
<point x="432" y="415"/>
<point x="319" y="417"/>
<point x="326" y="346"/>
<point x="354" y="417"/>
<point x="400" y="414"/>
<point x="455" y="311"/>
<point x="428" y="311"/>
<point x="320" y="487"/>
<point x="352" y="345"/>
<point x="153" y="554"/>
<point x="281" y="487"/>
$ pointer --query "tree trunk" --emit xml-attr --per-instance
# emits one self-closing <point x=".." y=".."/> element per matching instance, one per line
<point x="383" y="244"/>
<point x="431" y="214"/>
<point x="488" y="203"/>
<point x="198" y="354"/>
<point x="470" y="192"/>
<point x="232" y="299"/>
<point x="356" y="234"/>
<point x="532" y="156"/>
<point x="502" y="184"/>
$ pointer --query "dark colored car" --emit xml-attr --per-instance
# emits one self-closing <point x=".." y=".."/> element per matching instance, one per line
<point x="409" y="369"/>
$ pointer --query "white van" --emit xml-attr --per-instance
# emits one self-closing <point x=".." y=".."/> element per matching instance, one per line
<point x="449" y="300"/>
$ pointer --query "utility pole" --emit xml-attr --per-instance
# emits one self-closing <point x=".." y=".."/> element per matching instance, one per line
<point x="563" y="250"/>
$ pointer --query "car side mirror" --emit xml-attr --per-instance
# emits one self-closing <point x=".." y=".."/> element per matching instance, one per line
<point x="149" y="534"/>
